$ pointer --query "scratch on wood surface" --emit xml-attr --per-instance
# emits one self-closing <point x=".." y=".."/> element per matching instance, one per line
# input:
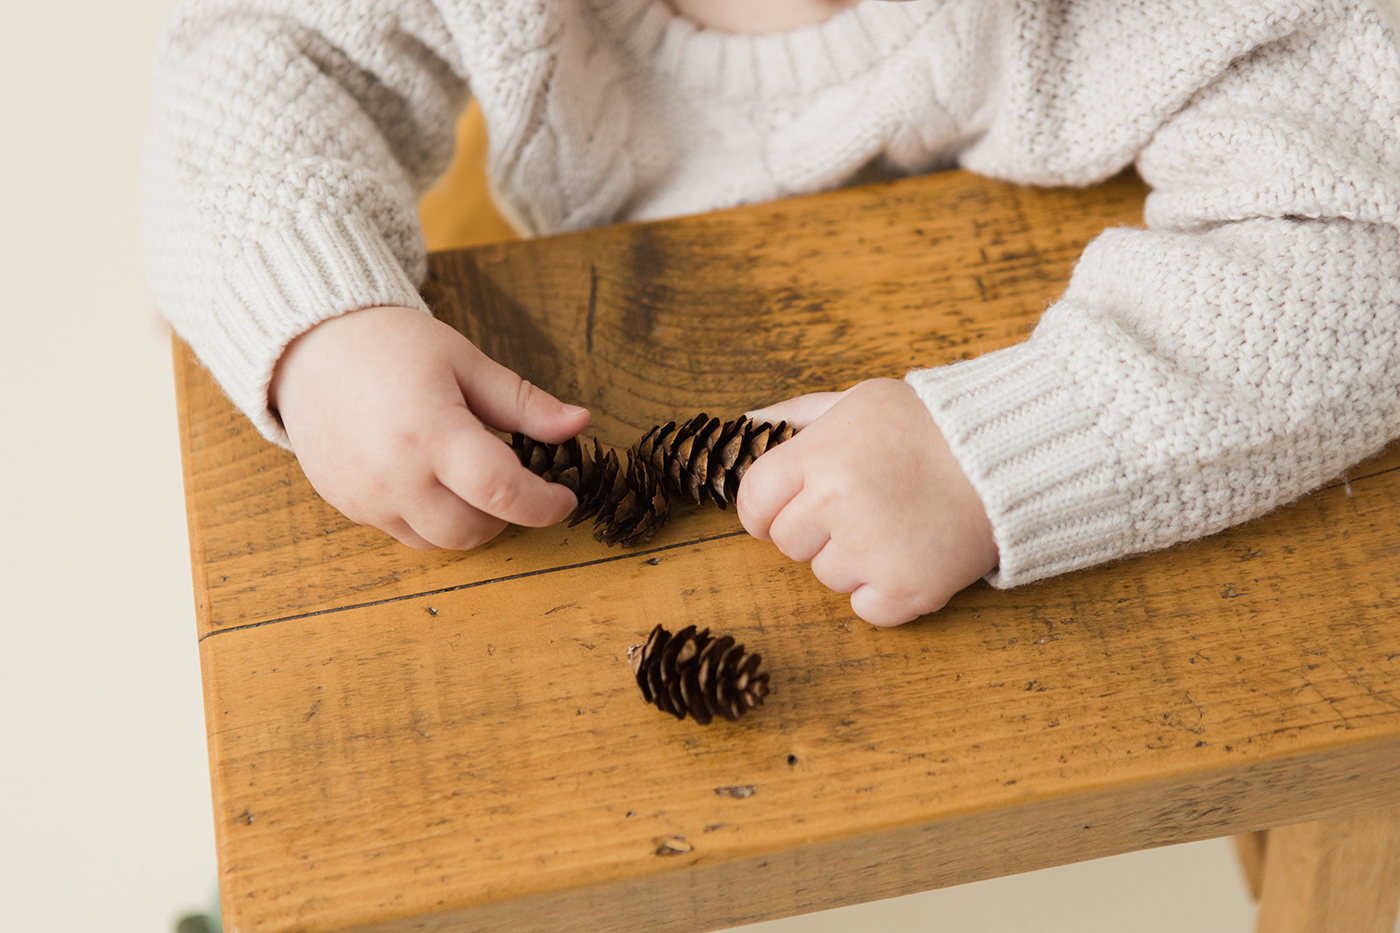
<point x="315" y="708"/>
<point x="672" y="845"/>
<point x="738" y="792"/>
<point x="562" y="568"/>
<point x="592" y="308"/>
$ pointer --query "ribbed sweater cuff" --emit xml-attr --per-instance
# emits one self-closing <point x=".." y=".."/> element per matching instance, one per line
<point x="283" y="284"/>
<point x="1051" y="483"/>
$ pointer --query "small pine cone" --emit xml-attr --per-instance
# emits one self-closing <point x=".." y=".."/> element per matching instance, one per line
<point x="704" y="459"/>
<point x="627" y="504"/>
<point x="696" y="673"/>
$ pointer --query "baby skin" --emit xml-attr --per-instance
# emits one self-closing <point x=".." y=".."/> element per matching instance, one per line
<point x="388" y="412"/>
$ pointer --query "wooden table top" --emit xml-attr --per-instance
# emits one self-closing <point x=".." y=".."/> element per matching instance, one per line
<point x="402" y="740"/>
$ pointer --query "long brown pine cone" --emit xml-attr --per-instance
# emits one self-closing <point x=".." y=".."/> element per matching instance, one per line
<point x="694" y="672"/>
<point x="702" y="460"/>
<point x="627" y="504"/>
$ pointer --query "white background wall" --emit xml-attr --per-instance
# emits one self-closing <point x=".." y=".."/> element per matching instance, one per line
<point x="104" y="815"/>
<point x="104" y="803"/>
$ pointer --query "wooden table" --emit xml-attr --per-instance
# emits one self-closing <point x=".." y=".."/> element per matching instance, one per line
<point x="409" y="741"/>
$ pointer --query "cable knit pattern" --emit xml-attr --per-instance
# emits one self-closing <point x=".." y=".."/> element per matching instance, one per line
<point x="1238" y="352"/>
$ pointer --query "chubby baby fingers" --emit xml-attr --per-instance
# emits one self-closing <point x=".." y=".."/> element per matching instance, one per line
<point x="442" y="520"/>
<point x="837" y="570"/>
<point x="881" y="609"/>
<point x="402" y="532"/>
<point x="485" y="473"/>
<point x="508" y="403"/>
<point x="798" y="411"/>
<point x="432" y="517"/>
<point x="770" y="484"/>
<point x="800" y="530"/>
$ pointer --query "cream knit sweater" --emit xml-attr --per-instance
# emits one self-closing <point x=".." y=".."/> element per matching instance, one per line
<point x="1237" y="353"/>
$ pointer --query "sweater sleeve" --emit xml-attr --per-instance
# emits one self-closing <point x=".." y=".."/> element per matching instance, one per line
<point x="1237" y="353"/>
<point x="289" y="141"/>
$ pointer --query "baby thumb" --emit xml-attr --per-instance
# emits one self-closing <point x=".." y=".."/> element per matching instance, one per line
<point x="799" y="411"/>
<point x="508" y="403"/>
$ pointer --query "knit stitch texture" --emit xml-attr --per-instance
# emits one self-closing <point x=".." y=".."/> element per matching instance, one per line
<point x="1240" y="351"/>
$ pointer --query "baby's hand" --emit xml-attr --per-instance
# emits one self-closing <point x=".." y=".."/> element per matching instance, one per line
<point x="869" y="492"/>
<point x="385" y="409"/>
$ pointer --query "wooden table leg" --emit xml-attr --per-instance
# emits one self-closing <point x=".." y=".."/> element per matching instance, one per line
<point x="1333" y="876"/>
<point x="1252" y="848"/>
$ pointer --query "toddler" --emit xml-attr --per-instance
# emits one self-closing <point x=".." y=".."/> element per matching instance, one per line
<point x="1238" y="352"/>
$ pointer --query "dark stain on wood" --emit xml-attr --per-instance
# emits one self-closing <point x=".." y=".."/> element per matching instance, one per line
<point x="479" y="299"/>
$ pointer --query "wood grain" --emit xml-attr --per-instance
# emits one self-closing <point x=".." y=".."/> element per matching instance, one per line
<point x="452" y="741"/>
<point x="1333" y="876"/>
<point x="473" y="747"/>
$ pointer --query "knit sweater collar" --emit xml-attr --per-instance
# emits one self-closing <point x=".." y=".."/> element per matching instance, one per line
<point x="769" y="66"/>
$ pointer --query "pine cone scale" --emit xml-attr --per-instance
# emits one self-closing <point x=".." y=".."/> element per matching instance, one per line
<point x="731" y="443"/>
<point x="697" y="474"/>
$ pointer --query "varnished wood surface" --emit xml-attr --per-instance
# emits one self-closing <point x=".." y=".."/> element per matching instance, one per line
<point x="452" y="741"/>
